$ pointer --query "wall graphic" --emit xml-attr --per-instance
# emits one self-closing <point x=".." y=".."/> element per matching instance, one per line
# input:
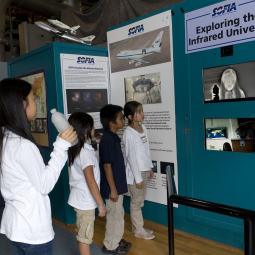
<point x="39" y="127"/>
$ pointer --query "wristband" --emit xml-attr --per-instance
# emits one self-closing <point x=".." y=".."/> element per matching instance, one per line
<point x="101" y="207"/>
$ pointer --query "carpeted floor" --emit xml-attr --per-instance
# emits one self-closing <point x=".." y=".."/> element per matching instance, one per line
<point x="65" y="243"/>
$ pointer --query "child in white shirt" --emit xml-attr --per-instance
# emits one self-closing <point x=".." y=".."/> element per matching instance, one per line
<point x="84" y="181"/>
<point x="25" y="179"/>
<point x="138" y="166"/>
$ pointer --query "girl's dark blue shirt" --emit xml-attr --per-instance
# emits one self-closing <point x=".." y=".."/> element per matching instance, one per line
<point x="110" y="153"/>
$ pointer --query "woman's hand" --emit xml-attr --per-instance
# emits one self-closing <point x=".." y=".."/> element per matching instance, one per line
<point x="139" y="185"/>
<point x="102" y="212"/>
<point x="69" y="135"/>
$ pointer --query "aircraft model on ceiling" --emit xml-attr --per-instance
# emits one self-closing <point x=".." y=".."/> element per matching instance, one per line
<point x="65" y="31"/>
<point x="63" y="27"/>
<point x="135" y="56"/>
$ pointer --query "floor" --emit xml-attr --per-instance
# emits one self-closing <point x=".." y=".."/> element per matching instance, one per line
<point x="185" y="243"/>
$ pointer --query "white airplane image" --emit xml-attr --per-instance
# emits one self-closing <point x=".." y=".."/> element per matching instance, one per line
<point x="135" y="56"/>
<point x="64" y="33"/>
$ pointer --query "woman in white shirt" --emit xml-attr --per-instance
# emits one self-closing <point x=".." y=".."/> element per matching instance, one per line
<point x="84" y="180"/>
<point x="138" y="166"/>
<point x="25" y="179"/>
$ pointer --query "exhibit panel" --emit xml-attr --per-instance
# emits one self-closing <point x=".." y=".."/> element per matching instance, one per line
<point x="224" y="178"/>
<point x="85" y="85"/>
<point x="66" y="48"/>
<point x="141" y="64"/>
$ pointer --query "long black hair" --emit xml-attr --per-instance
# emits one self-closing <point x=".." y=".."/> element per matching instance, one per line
<point x="130" y="109"/>
<point x="83" y="124"/>
<point x="13" y="94"/>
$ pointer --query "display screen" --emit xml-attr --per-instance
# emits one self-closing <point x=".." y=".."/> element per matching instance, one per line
<point x="236" y="134"/>
<point x="229" y="83"/>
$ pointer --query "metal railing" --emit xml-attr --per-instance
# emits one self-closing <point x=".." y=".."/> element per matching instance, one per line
<point x="247" y="216"/>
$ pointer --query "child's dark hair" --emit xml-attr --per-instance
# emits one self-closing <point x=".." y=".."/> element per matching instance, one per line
<point x="13" y="94"/>
<point x="227" y="147"/>
<point x="109" y="114"/>
<point x="83" y="124"/>
<point x="130" y="109"/>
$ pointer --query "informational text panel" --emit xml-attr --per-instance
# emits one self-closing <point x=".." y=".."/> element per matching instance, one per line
<point x="141" y="69"/>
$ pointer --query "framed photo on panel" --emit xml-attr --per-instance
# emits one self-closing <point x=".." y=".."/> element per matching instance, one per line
<point x="40" y="126"/>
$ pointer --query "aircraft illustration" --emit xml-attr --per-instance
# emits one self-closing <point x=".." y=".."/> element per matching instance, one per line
<point x="65" y="31"/>
<point x="135" y="56"/>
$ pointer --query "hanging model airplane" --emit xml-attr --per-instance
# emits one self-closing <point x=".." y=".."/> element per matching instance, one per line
<point x="63" y="27"/>
<point x="65" y="31"/>
<point x="135" y="56"/>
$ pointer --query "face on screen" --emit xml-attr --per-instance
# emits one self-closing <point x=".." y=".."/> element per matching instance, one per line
<point x="229" y="79"/>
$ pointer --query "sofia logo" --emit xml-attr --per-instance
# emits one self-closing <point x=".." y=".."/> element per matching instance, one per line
<point x="135" y="30"/>
<point x="83" y="60"/>
<point x="225" y="9"/>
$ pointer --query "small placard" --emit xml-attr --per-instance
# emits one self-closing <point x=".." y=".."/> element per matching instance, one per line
<point x="242" y="143"/>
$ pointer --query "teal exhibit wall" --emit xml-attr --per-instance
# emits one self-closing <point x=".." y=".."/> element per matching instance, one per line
<point x="221" y="177"/>
<point x="48" y="57"/>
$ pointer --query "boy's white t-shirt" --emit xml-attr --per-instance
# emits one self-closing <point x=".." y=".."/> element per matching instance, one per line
<point x="80" y="196"/>
<point x="137" y="154"/>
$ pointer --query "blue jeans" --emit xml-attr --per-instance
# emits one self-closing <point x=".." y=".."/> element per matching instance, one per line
<point x="33" y="249"/>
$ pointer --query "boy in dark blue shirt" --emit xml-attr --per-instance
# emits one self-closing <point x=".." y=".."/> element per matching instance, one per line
<point x="113" y="179"/>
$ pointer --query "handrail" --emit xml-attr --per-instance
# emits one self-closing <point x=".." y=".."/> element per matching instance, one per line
<point x="247" y="215"/>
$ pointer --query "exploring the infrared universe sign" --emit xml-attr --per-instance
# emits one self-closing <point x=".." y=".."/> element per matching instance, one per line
<point x="221" y="24"/>
<point x="141" y="69"/>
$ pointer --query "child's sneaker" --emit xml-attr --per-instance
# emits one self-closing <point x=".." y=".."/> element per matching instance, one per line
<point x="144" y="235"/>
<point x="124" y="244"/>
<point x="118" y="250"/>
<point x="148" y="230"/>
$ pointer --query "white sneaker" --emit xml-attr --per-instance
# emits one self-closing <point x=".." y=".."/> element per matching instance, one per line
<point x="144" y="235"/>
<point x="148" y="230"/>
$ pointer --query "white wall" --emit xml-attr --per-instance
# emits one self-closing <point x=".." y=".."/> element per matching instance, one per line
<point x="230" y="124"/>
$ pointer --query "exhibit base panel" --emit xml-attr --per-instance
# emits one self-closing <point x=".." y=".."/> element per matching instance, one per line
<point x="217" y="235"/>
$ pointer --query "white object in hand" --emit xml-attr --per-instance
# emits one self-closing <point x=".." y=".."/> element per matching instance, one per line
<point x="61" y="123"/>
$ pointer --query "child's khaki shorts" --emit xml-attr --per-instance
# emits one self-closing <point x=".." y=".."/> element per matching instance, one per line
<point x="85" y="225"/>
